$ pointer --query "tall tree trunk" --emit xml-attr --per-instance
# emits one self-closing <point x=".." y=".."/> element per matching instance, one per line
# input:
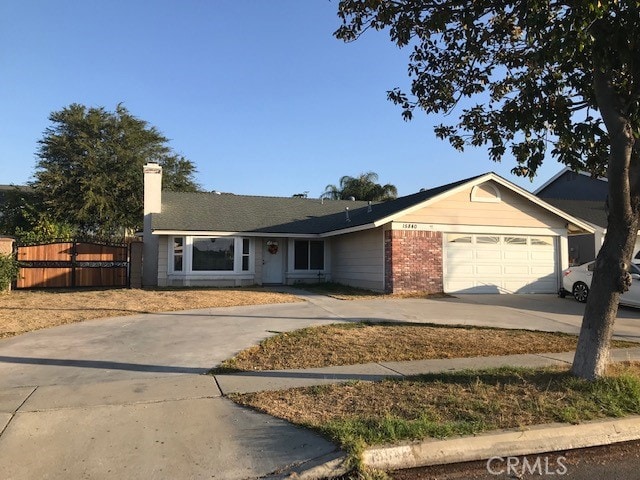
<point x="611" y="277"/>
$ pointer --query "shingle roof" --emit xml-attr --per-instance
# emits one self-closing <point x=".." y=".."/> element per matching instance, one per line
<point x="252" y="214"/>
<point x="590" y="211"/>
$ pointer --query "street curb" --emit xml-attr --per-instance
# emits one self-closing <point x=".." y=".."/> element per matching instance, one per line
<point x="537" y="439"/>
<point x="326" y="466"/>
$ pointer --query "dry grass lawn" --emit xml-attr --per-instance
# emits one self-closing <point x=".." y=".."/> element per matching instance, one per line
<point x="26" y="310"/>
<point x="349" y="344"/>
<point x="442" y="405"/>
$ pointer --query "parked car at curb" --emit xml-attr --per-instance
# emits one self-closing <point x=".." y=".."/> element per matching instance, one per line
<point x="576" y="281"/>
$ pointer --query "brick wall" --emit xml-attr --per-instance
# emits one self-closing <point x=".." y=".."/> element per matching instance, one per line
<point x="413" y="261"/>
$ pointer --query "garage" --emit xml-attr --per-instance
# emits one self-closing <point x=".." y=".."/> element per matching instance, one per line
<point x="486" y="263"/>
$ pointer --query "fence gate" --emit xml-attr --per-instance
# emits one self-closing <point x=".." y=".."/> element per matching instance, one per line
<point x="72" y="264"/>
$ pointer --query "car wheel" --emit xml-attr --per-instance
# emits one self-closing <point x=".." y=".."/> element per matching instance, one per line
<point x="580" y="291"/>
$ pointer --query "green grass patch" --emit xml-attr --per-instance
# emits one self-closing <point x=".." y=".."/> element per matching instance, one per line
<point x="361" y="414"/>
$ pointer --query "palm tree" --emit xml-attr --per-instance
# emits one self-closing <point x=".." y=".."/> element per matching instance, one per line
<point x="362" y="187"/>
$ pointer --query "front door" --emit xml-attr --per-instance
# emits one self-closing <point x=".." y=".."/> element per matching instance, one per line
<point x="272" y="260"/>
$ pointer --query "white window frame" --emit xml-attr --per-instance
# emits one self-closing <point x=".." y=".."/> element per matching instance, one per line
<point x="309" y="269"/>
<point x="187" y="257"/>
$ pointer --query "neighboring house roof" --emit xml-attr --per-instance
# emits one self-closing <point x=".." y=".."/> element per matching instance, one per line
<point x="591" y="211"/>
<point x="7" y="192"/>
<point x="4" y="189"/>
<point x="578" y="194"/>
<point x="210" y="212"/>
<point x="570" y="185"/>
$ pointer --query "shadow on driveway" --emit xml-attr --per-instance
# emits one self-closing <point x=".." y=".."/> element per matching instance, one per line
<point x="540" y="303"/>
<point x="105" y="365"/>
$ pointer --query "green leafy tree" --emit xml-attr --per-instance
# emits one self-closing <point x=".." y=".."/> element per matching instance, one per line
<point x="24" y="217"/>
<point x="532" y="80"/>
<point x="89" y="172"/>
<point x="362" y="187"/>
<point x="17" y="204"/>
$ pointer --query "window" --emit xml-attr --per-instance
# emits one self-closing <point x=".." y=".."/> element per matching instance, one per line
<point x="515" y="240"/>
<point x="308" y="255"/>
<point x="316" y="255"/>
<point x="485" y="193"/>
<point x="210" y="255"/>
<point x="178" y="254"/>
<point x="245" y="254"/>
<point x="458" y="238"/>
<point x="213" y="254"/>
<point x="487" y="239"/>
<point x="542" y="241"/>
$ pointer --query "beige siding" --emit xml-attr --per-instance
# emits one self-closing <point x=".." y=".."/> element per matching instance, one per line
<point x="512" y="210"/>
<point x="257" y="246"/>
<point x="163" y="265"/>
<point x="357" y="259"/>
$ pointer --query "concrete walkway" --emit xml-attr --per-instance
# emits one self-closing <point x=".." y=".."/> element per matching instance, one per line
<point x="126" y="397"/>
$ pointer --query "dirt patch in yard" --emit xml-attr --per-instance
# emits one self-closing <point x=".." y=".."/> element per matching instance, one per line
<point x="26" y="310"/>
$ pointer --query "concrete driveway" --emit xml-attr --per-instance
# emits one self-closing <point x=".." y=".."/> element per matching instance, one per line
<point x="126" y="398"/>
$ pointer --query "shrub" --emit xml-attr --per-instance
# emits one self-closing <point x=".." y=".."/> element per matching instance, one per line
<point x="8" y="271"/>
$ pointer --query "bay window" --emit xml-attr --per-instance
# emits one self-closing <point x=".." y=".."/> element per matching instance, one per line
<point x="212" y="254"/>
<point x="216" y="255"/>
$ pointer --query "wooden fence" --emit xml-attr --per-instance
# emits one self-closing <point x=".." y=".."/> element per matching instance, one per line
<point x="73" y="264"/>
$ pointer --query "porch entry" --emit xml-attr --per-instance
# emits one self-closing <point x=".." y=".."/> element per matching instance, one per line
<point x="273" y="260"/>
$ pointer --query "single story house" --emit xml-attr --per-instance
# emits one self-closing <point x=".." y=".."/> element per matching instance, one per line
<point x="584" y="197"/>
<point x="482" y="234"/>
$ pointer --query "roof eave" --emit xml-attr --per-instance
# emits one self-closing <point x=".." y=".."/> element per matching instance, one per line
<point x="342" y="231"/>
<point x="220" y="233"/>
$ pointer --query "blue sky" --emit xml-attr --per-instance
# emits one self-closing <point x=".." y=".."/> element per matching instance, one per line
<point x="258" y="94"/>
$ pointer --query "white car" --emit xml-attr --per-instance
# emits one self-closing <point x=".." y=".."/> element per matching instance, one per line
<point x="576" y="281"/>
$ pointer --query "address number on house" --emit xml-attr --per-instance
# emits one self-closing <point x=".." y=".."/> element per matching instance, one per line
<point x="411" y="226"/>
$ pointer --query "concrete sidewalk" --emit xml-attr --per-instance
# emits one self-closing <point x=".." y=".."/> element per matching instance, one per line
<point x="508" y="443"/>
<point x="246" y="382"/>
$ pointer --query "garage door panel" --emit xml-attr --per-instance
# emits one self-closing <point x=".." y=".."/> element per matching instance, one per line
<point x="461" y="270"/>
<point x="543" y="255"/>
<point x="520" y="255"/>
<point x="462" y="254"/>
<point x="517" y="270"/>
<point x="504" y="266"/>
<point x="482" y="254"/>
<point x="488" y="269"/>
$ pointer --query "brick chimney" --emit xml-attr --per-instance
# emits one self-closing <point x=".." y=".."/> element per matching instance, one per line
<point x="152" y="204"/>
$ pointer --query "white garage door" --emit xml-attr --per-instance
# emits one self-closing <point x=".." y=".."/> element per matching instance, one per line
<point x="478" y="263"/>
